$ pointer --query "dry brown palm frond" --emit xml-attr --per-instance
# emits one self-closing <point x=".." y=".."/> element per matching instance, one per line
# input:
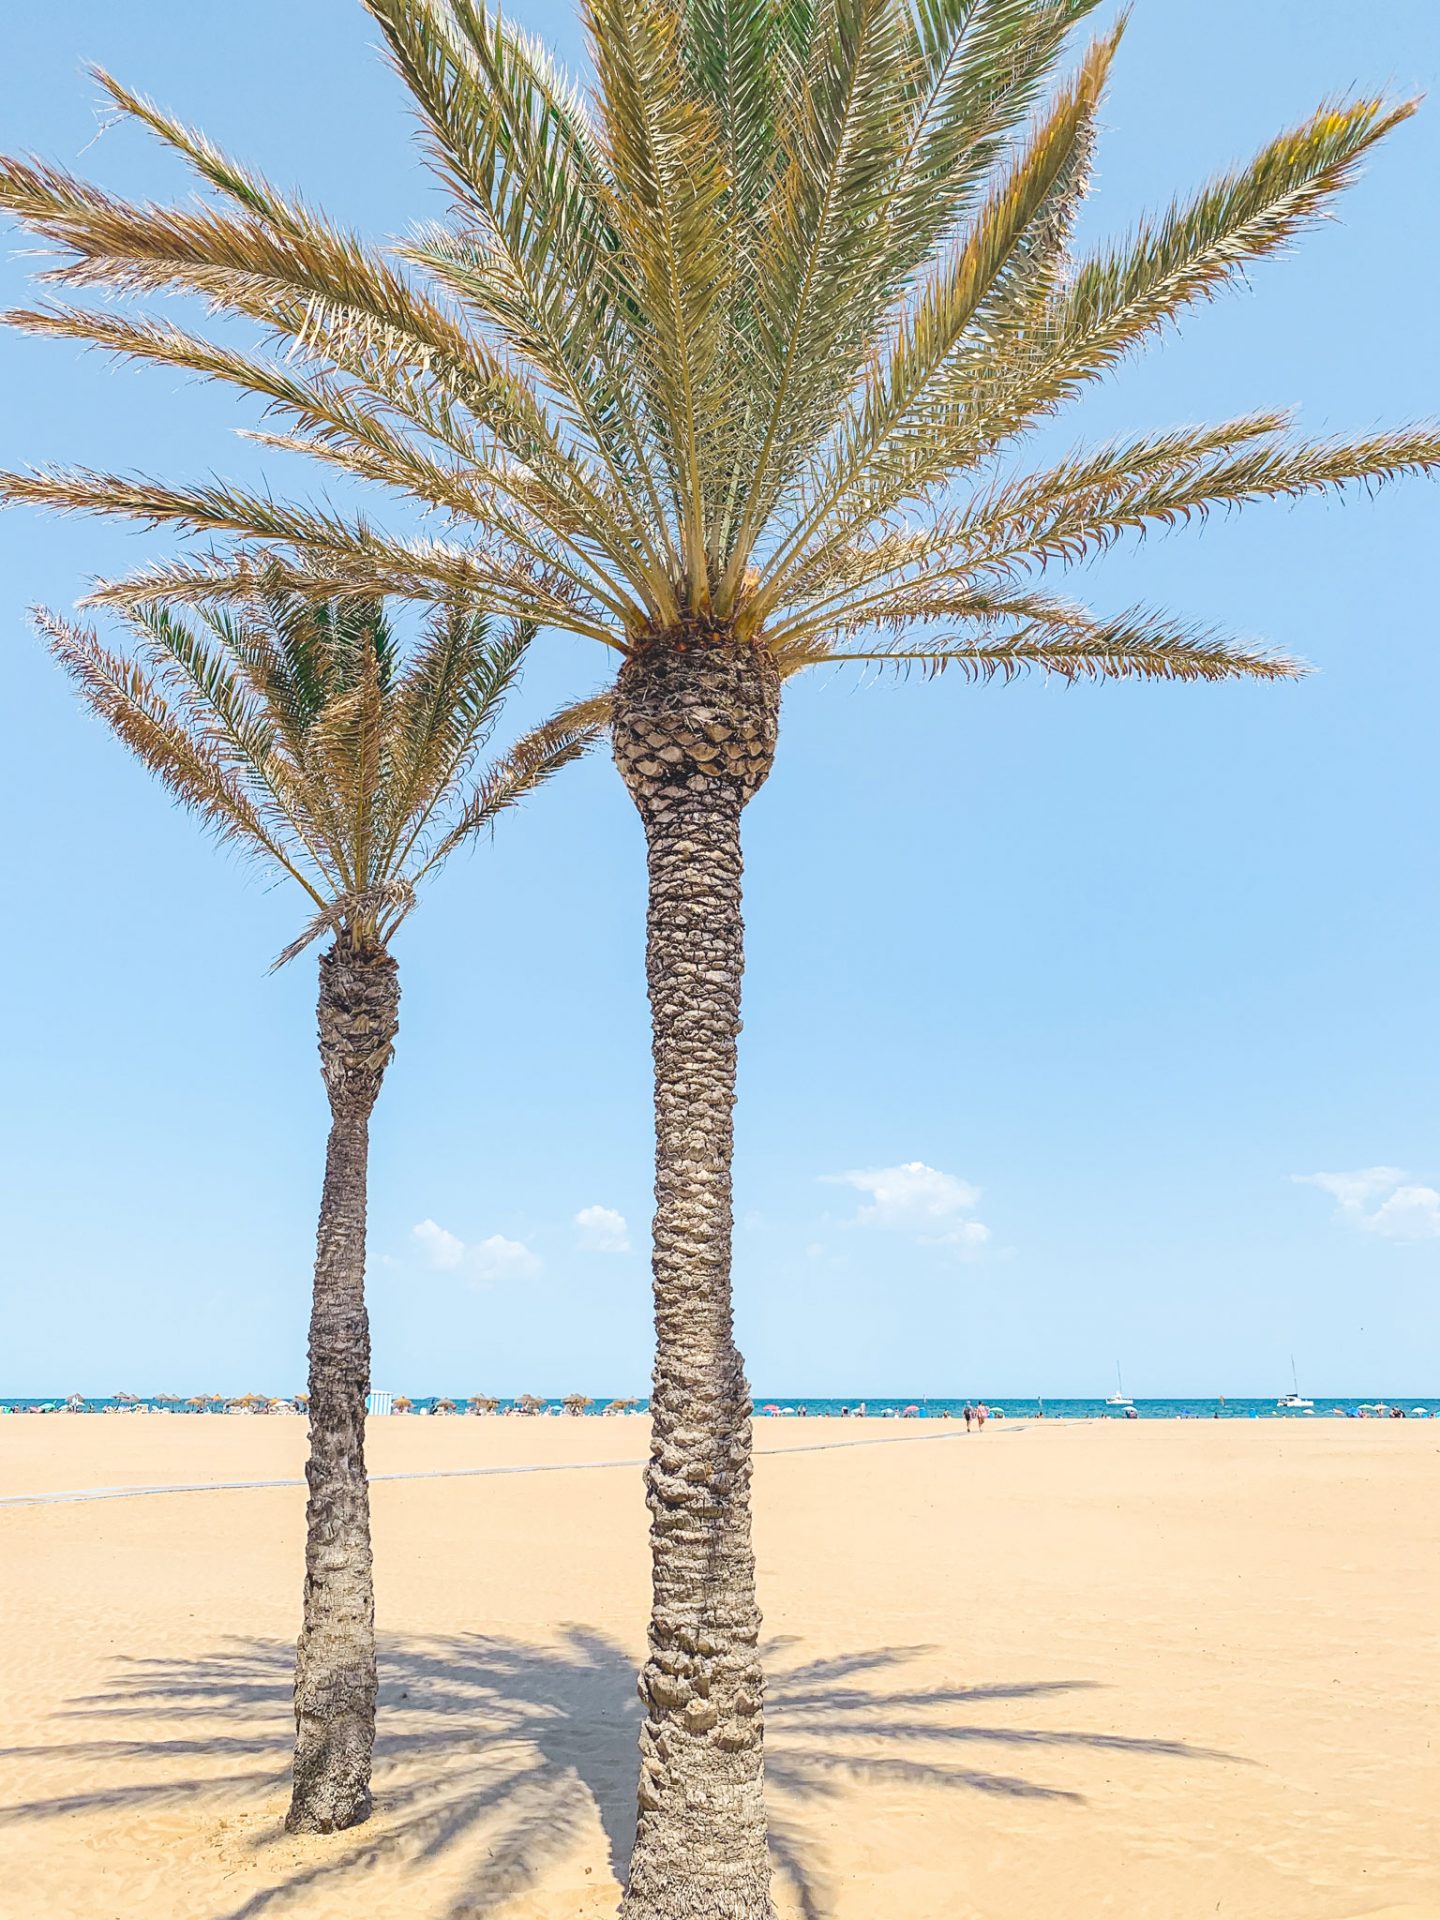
<point x="1133" y="645"/>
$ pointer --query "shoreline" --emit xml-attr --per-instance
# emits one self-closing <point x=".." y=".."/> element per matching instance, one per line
<point x="998" y="1409"/>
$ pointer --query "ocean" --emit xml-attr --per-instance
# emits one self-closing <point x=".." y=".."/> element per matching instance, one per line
<point x="1007" y="1406"/>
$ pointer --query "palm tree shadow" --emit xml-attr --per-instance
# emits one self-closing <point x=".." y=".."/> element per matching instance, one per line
<point x="496" y="1757"/>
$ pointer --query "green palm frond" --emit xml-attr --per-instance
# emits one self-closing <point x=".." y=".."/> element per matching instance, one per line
<point x="896" y="405"/>
<point x="980" y="68"/>
<point x="306" y="736"/>
<point x="752" y="333"/>
<point x="1121" y="296"/>
<point x="667" y="195"/>
<point x="819" y="274"/>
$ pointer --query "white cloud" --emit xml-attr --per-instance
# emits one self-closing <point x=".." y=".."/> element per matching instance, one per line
<point x="500" y="1259"/>
<point x="494" y="1259"/>
<point x="919" y="1200"/>
<point x="1405" y="1211"/>
<point x="441" y="1249"/>
<point x="602" y="1230"/>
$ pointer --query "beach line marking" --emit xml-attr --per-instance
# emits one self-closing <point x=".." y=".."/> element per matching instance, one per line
<point x="80" y="1494"/>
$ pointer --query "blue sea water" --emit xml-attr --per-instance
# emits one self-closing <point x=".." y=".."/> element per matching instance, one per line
<point x="876" y="1405"/>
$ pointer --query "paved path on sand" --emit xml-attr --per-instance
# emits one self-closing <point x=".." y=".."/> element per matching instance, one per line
<point x="451" y="1473"/>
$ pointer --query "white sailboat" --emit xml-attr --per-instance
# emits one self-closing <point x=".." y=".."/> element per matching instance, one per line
<point x="1119" y="1398"/>
<point x="1294" y="1401"/>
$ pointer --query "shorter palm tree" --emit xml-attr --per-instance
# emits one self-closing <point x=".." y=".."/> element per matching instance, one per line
<point x="304" y="735"/>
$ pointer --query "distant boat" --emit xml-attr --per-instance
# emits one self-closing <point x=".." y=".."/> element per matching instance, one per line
<point x="1294" y="1401"/>
<point x="1119" y="1398"/>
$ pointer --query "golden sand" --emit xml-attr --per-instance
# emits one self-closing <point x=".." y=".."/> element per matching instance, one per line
<point x="1046" y="1673"/>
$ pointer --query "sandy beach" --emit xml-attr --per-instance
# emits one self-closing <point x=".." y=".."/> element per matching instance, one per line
<point x="1052" y="1672"/>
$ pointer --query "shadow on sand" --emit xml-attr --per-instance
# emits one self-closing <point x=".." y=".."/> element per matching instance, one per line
<point x="496" y="1757"/>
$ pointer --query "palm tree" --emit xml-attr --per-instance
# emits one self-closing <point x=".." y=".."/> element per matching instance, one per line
<point x="727" y="368"/>
<point x="301" y="735"/>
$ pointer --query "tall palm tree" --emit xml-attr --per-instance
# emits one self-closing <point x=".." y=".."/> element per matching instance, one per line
<point x="728" y="367"/>
<point x="302" y="735"/>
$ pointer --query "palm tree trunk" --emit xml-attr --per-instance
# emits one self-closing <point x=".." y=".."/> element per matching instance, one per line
<point x="335" y="1663"/>
<point x="694" y="734"/>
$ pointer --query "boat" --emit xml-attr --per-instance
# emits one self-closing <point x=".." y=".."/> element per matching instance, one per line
<point x="1294" y="1401"/>
<point x="1119" y="1398"/>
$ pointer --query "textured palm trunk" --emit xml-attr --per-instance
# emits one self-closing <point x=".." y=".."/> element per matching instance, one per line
<point x="694" y="734"/>
<point x="335" y="1663"/>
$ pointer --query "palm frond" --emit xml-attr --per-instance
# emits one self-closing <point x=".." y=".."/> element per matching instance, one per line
<point x="298" y="276"/>
<point x="447" y="709"/>
<point x="1137" y="645"/>
<point x="754" y="332"/>
<point x="1031" y="203"/>
<point x="979" y="68"/>
<point x="303" y="732"/>
<point x="119" y="691"/>
<point x="533" y="760"/>
<point x="1078" y="509"/>
<point x="668" y="185"/>
<point x="1120" y="296"/>
<point x="819" y="273"/>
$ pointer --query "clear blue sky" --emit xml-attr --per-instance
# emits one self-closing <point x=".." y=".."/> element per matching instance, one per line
<point x="1124" y="960"/>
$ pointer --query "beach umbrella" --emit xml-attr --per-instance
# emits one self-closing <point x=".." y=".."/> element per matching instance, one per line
<point x="482" y="1403"/>
<point x="576" y="1403"/>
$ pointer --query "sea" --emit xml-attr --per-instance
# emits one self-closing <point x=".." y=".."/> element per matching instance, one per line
<point x="882" y="1406"/>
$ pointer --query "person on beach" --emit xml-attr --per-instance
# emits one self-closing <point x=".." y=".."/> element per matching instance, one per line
<point x="969" y="1416"/>
<point x="982" y="1414"/>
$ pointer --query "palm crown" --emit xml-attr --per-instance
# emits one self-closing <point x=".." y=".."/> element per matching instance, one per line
<point x="750" y="336"/>
<point x="301" y="733"/>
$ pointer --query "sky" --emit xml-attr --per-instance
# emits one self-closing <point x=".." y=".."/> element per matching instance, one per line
<point x="1082" y="1026"/>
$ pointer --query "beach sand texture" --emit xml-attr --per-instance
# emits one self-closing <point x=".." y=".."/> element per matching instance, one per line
<point x="1047" y="1673"/>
